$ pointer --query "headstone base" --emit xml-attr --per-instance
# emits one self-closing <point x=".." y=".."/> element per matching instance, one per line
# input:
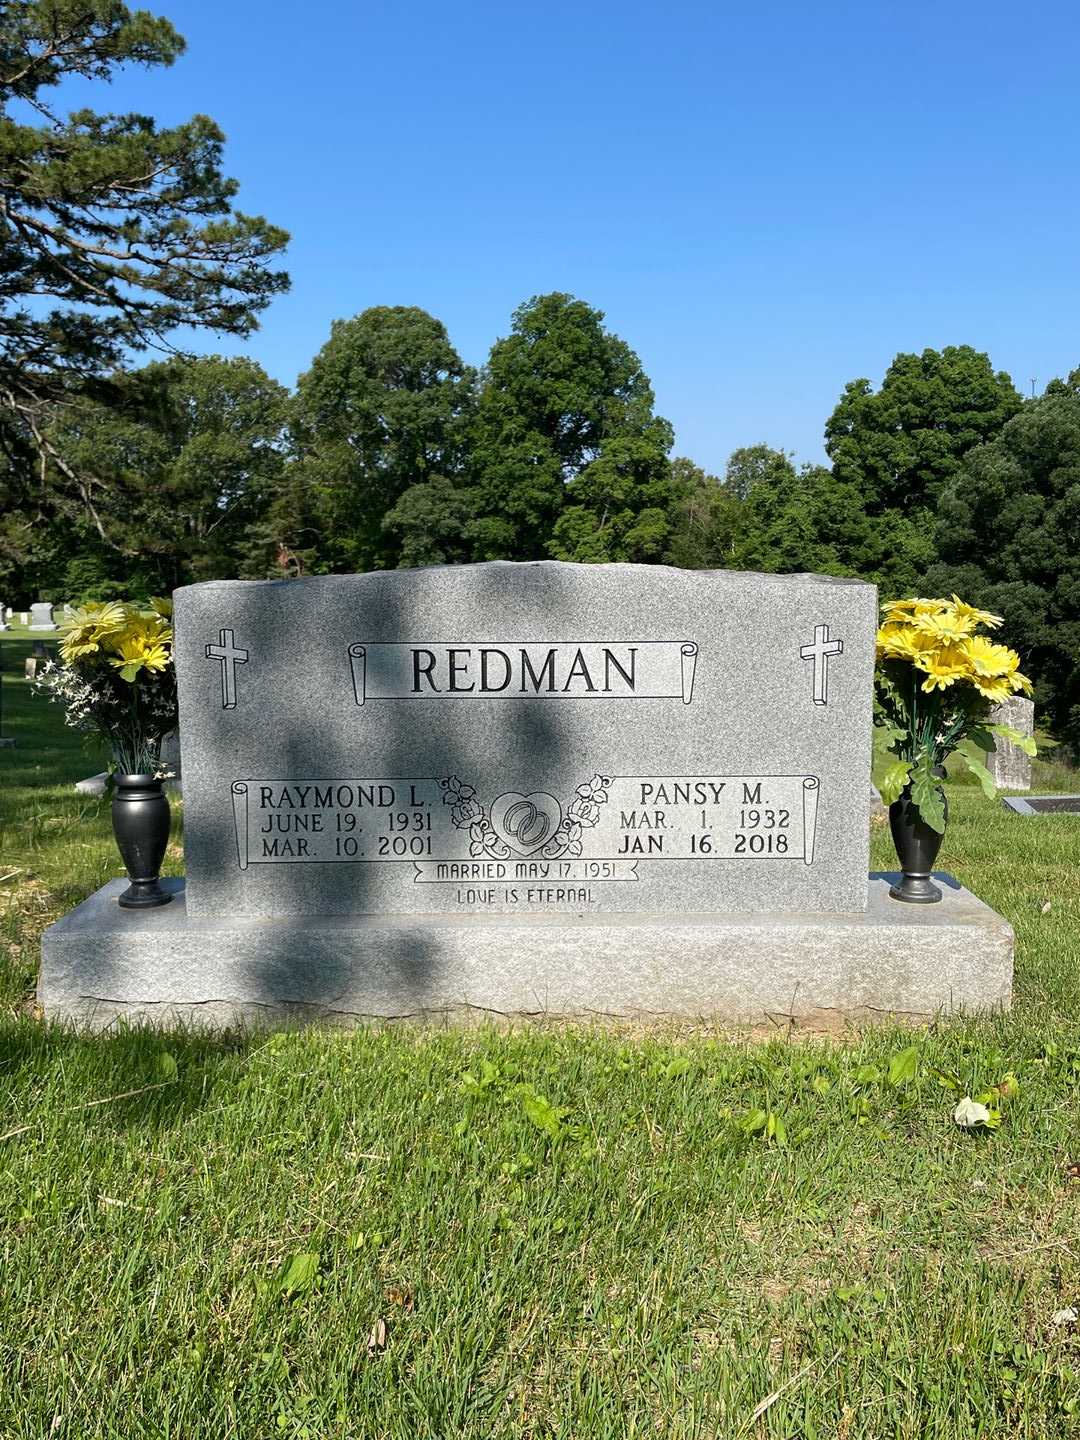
<point x="100" y="962"/>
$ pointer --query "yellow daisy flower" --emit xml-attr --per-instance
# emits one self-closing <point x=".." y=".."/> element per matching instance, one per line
<point x="903" y="642"/>
<point x="989" y="658"/>
<point x="897" y="612"/>
<point x="84" y="629"/>
<point x="137" y="652"/>
<point x="943" y="667"/>
<point x="994" y="688"/>
<point x="980" y="617"/>
<point x="946" y="625"/>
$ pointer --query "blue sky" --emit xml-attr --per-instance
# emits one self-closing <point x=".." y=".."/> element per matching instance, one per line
<point x="766" y="199"/>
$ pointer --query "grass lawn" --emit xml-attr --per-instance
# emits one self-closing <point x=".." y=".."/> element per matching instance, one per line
<point x="541" y="1231"/>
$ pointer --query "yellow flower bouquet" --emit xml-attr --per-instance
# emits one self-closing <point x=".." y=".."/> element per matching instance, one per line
<point x="937" y="679"/>
<point x="115" y="676"/>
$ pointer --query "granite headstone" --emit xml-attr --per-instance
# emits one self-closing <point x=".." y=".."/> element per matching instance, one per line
<point x="526" y="738"/>
<point x="521" y="789"/>
<point x="1008" y="764"/>
<point x="41" y="617"/>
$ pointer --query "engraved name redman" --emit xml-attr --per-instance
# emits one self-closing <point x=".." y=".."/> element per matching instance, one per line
<point x="490" y="669"/>
<point x="556" y="670"/>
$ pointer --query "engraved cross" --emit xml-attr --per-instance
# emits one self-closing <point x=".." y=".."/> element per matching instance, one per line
<point x="819" y="652"/>
<point x="230" y="656"/>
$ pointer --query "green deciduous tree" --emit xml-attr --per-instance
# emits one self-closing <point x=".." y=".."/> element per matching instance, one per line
<point x="802" y="520"/>
<point x="810" y="519"/>
<point x="185" y="461"/>
<point x="383" y="409"/>
<point x="431" y="523"/>
<point x="619" y="506"/>
<point x="903" y="443"/>
<point x="1009" y="540"/>
<point x="567" y="458"/>
<point x="113" y="232"/>
<point x="705" y="519"/>
<point x="751" y="465"/>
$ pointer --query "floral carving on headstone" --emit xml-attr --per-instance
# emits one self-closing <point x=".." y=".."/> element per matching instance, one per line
<point x="582" y="812"/>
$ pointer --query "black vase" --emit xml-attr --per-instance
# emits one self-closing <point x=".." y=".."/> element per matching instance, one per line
<point x="917" y="846"/>
<point x="140" y="818"/>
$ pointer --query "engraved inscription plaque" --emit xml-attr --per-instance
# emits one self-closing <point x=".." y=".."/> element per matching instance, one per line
<point x="605" y="738"/>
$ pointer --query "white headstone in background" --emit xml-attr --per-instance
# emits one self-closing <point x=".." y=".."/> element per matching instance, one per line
<point x="41" y="617"/>
<point x="1008" y="764"/>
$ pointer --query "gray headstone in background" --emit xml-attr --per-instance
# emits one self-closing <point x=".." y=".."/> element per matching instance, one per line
<point x="41" y="617"/>
<point x="24" y="618"/>
<point x="30" y="667"/>
<point x="3" y="617"/>
<point x="170" y="754"/>
<point x="526" y="739"/>
<point x="93" y="784"/>
<point x="1008" y="764"/>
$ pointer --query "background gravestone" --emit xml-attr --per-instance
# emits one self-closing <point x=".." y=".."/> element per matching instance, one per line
<point x="41" y="617"/>
<point x="1008" y="764"/>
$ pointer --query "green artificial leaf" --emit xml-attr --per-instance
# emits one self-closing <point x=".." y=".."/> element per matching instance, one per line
<point x="166" y="1065"/>
<point x="972" y="757"/>
<point x="676" y="1067"/>
<point x="885" y="738"/>
<point x="867" y="1075"/>
<point x="891" y="705"/>
<point x="1015" y="737"/>
<point x="982" y="737"/>
<point x="753" y="1122"/>
<point x="297" y="1273"/>
<point x="891" y="779"/>
<point x="904" y="1066"/>
<point x="926" y="794"/>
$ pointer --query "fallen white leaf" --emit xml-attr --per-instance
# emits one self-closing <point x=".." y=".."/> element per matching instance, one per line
<point x="1068" y="1316"/>
<point x="970" y="1113"/>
